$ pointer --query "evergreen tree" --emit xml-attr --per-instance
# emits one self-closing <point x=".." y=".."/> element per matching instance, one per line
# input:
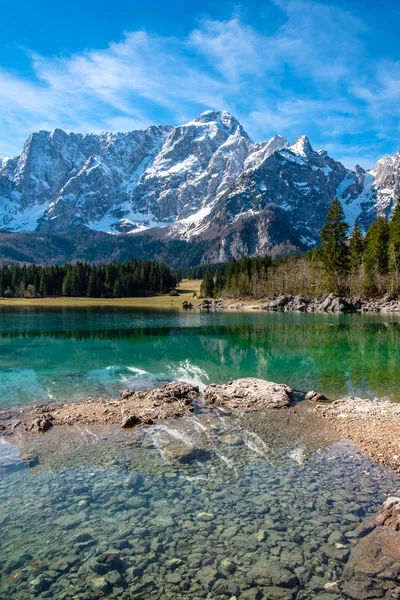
<point x="394" y="239"/>
<point x="92" y="288"/>
<point x="356" y="248"/>
<point x="333" y="245"/>
<point x="219" y="283"/>
<point x="43" y="286"/>
<point x="66" y="289"/>
<point x="207" y="286"/>
<point x="117" y="289"/>
<point x="376" y="255"/>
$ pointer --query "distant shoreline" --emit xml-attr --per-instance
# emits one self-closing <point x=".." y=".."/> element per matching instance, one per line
<point x="328" y="303"/>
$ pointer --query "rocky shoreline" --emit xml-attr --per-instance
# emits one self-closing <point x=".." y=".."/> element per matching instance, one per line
<point x="373" y="425"/>
<point x="361" y="551"/>
<point x="330" y="303"/>
<point x="131" y="409"/>
<point x="135" y="408"/>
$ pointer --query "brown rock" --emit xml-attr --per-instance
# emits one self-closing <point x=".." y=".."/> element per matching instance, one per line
<point x="316" y="397"/>
<point x="374" y="565"/>
<point x="129" y="421"/>
<point x="389" y="513"/>
<point x="41" y="424"/>
<point x="249" y="394"/>
<point x="363" y="588"/>
<point x="376" y="555"/>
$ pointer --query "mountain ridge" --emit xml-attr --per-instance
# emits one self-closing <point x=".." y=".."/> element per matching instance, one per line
<point x="201" y="181"/>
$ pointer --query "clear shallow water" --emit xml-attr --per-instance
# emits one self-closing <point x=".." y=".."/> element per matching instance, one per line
<point x="67" y="354"/>
<point x="212" y="506"/>
<point x="118" y="515"/>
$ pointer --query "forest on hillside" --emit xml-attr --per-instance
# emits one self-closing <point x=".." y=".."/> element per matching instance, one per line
<point x="360" y="265"/>
<point x="111" y="280"/>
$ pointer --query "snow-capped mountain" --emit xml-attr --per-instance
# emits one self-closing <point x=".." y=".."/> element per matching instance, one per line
<point x="205" y="180"/>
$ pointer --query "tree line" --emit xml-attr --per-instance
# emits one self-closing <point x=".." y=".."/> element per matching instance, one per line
<point x="199" y="271"/>
<point x="363" y="265"/>
<point x="113" y="280"/>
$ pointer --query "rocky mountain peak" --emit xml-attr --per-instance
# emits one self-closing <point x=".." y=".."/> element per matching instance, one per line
<point x="262" y="150"/>
<point x="223" y="119"/>
<point x="302" y="146"/>
<point x="277" y="142"/>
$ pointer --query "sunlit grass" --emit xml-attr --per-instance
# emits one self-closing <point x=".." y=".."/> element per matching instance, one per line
<point x="186" y="290"/>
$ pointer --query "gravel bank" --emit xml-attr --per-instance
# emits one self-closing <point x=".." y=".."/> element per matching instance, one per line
<point x="374" y="425"/>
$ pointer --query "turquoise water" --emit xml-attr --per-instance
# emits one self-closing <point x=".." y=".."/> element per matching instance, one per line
<point x="212" y="506"/>
<point x="67" y="354"/>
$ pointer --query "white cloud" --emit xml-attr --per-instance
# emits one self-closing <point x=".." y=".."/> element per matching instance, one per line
<point x="309" y="75"/>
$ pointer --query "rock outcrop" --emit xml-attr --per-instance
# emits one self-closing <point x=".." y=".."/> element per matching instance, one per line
<point x="249" y="394"/>
<point x="133" y="408"/>
<point x="373" y="569"/>
<point x="330" y="303"/>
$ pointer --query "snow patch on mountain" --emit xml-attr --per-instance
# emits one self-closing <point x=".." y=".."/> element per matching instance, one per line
<point x="354" y="206"/>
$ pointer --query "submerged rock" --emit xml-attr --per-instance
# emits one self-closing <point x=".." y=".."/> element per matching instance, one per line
<point x="249" y="394"/>
<point x="225" y="587"/>
<point x="269" y="572"/>
<point x="108" y="561"/>
<point x="184" y="453"/>
<point x="10" y="457"/>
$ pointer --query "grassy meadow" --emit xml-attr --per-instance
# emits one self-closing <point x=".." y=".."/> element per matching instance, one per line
<point x="186" y="290"/>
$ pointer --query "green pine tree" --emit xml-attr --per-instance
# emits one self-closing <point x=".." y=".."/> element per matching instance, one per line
<point x="394" y="239"/>
<point x="376" y="256"/>
<point x="219" y="283"/>
<point x="356" y="248"/>
<point x="67" y="285"/>
<point x="117" y="290"/>
<point x="43" y="286"/>
<point x="333" y="247"/>
<point x="92" y="287"/>
<point x="394" y="250"/>
<point x="207" y="286"/>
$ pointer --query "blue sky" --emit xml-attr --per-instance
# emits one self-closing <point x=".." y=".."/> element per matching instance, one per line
<point x="330" y="70"/>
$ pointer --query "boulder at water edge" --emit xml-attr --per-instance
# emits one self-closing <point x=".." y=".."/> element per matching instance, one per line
<point x="373" y="570"/>
<point x="249" y="393"/>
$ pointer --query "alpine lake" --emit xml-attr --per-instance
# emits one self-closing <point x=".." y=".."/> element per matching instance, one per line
<point x="264" y="509"/>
